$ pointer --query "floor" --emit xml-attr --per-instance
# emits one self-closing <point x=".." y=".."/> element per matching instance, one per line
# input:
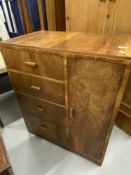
<point x="31" y="155"/>
<point x="9" y="108"/>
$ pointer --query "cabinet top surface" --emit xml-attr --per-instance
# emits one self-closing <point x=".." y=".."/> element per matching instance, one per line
<point x="116" y="46"/>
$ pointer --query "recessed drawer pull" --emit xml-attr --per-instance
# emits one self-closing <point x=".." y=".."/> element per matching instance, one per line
<point x="35" y="88"/>
<point x="40" y="109"/>
<point x="31" y="64"/>
<point x="44" y="127"/>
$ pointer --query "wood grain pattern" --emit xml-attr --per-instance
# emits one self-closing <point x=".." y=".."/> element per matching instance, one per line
<point x="22" y="4"/>
<point x="41" y="14"/>
<point x="50" y="131"/>
<point x="79" y="16"/>
<point x="110" y="16"/>
<point x="104" y="16"/>
<point x="122" y="23"/>
<point x="35" y="63"/>
<point x="123" y="120"/>
<point x="92" y="97"/>
<point x="50" y="12"/>
<point x="55" y="11"/>
<point x="115" y="47"/>
<point x="39" y="88"/>
<point x="43" y="110"/>
<point x="127" y="94"/>
<point x="71" y="91"/>
<point x="124" y="123"/>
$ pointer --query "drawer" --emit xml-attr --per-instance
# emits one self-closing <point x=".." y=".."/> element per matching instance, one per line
<point x="38" y="87"/>
<point x="36" y="63"/>
<point x="46" y="129"/>
<point x="43" y="110"/>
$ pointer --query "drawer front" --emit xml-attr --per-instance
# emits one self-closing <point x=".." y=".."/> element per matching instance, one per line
<point x="38" y="87"/>
<point x="42" y="64"/>
<point x="43" y="110"/>
<point x="50" y="65"/>
<point x="46" y="129"/>
<point x="20" y="60"/>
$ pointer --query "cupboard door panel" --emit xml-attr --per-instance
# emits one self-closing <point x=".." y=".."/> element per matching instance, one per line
<point x="82" y="16"/>
<point x="93" y="89"/>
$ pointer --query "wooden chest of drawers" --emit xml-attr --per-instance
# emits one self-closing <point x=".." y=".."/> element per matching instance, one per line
<point x="69" y="86"/>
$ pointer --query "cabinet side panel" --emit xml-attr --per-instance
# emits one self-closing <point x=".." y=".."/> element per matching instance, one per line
<point x="123" y="120"/>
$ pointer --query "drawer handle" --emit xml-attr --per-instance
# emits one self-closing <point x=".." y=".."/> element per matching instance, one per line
<point x="31" y="64"/>
<point x="40" y="109"/>
<point x="35" y="88"/>
<point x="44" y="127"/>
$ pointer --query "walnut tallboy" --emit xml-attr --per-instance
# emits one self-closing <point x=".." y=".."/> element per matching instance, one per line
<point x="69" y="86"/>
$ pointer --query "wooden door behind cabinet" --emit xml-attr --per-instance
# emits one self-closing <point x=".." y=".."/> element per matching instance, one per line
<point x="82" y="16"/>
<point x="104" y="16"/>
<point x="93" y="88"/>
<point x="123" y="18"/>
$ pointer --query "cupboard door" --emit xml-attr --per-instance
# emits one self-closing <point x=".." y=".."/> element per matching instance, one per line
<point x="123" y="24"/>
<point x="82" y="16"/>
<point x="93" y="89"/>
